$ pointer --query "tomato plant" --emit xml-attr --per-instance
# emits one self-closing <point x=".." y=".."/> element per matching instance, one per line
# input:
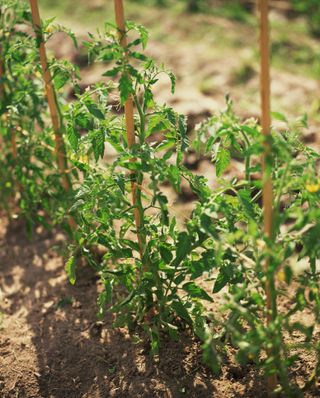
<point x="158" y="282"/>
<point x="293" y="250"/>
<point x="27" y="159"/>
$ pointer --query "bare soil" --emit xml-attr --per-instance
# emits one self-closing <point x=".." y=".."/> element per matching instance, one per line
<point x="52" y="346"/>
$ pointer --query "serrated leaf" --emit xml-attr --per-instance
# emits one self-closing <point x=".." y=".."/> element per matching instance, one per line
<point x="125" y="87"/>
<point x="181" y="311"/>
<point x="97" y="141"/>
<point x="112" y="72"/>
<point x="70" y="270"/>
<point x="245" y="200"/>
<point x="94" y="110"/>
<point x="221" y="281"/>
<point x="73" y="137"/>
<point x="165" y="253"/>
<point x="196" y="291"/>
<point x="183" y="247"/>
<point x="223" y="160"/>
<point x="173" y="81"/>
<point x="279" y="116"/>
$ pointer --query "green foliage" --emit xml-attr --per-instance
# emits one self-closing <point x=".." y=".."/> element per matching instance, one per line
<point x="152" y="281"/>
<point x="311" y="8"/>
<point x="296" y="218"/>
<point x="29" y="177"/>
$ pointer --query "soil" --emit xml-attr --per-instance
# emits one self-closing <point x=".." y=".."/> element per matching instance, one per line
<point x="52" y="346"/>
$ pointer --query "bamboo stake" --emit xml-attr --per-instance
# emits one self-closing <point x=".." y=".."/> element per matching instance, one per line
<point x="14" y="145"/>
<point x="51" y="97"/>
<point x="1" y="83"/>
<point x="129" y="118"/>
<point x="2" y="97"/>
<point x="60" y="151"/>
<point x="267" y="193"/>
<point x="1" y="75"/>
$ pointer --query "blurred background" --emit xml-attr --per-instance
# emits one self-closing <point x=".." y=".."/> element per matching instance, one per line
<point x="212" y="48"/>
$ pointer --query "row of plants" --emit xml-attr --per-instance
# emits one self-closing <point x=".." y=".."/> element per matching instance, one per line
<point x="237" y="9"/>
<point x="158" y="271"/>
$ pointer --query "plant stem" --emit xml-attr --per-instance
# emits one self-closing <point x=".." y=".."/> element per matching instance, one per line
<point x="248" y="157"/>
<point x="267" y="192"/>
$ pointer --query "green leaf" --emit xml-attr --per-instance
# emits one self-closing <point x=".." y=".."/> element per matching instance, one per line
<point x="94" y="110"/>
<point x="182" y="125"/>
<point x="222" y="159"/>
<point x="73" y="137"/>
<point x="173" y="82"/>
<point x="221" y="281"/>
<point x="183" y="247"/>
<point x="125" y="87"/>
<point x="165" y="253"/>
<point x="245" y="200"/>
<point x="139" y="56"/>
<point x="174" y="176"/>
<point x="196" y="291"/>
<point x="70" y="269"/>
<point x="279" y="116"/>
<point x="97" y="141"/>
<point x="112" y="72"/>
<point x="156" y="123"/>
<point x="144" y="35"/>
<point x="181" y="311"/>
<point x="60" y="79"/>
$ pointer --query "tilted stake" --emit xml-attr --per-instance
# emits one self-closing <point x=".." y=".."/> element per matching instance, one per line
<point x="267" y="193"/>
<point x="51" y="97"/>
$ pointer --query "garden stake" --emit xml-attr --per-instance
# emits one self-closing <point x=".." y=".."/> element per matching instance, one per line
<point x="129" y="117"/>
<point x="52" y="102"/>
<point x="1" y="83"/>
<point x="51" y="97"/>
<point x="267" y="193"/>
<point x="1" y="76"/>
<point x="2" y="93"/>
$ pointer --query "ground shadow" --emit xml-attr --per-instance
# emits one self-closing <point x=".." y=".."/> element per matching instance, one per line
<point x="75" y="355"/>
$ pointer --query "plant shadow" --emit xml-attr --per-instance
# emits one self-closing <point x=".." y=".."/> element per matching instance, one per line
<point x="74" y="355"/>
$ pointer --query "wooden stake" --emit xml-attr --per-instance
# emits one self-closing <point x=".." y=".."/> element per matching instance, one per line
<point x="51" y="97"/>
<point x="1" y="75"/>
<point x="14" y="145"/>
<point x="53" y="105"/>
<point x="2" y="97"/>
<point x="266" y="130"/>
<point x="129" y="117"/>
<point x="1" y="84"/>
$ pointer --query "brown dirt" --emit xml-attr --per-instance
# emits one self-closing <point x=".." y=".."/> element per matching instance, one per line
<point x="52" y="346"/>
